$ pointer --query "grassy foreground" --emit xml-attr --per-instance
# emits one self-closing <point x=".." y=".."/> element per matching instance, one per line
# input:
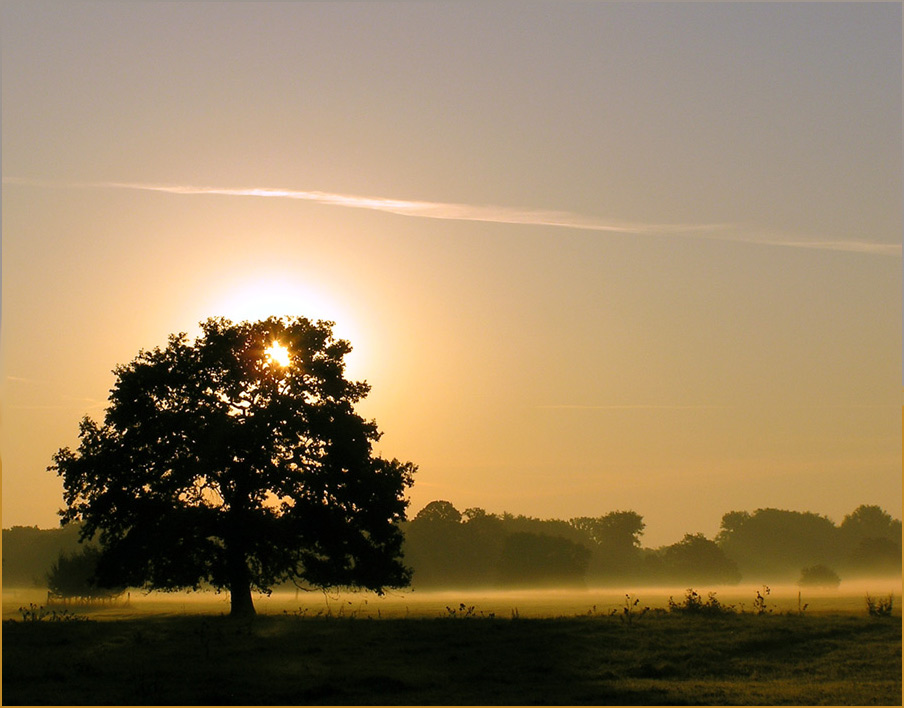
<point x="656" y="659"/>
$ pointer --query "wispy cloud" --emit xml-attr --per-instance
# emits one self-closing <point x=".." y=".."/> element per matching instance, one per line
<point x="706" y="406"/>
<point x="496" y="214"/>
<point x="53" y="391"/>
<point x="22" y="379"/>
<point x="637" y="406"/>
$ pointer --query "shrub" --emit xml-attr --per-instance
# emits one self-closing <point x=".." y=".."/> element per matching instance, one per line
<point x="35" y="613"/>
<point x="695" y="605"/>
<point x="880" y="606"/>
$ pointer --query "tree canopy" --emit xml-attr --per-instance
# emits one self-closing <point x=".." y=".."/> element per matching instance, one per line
<point x="238" y="460"/>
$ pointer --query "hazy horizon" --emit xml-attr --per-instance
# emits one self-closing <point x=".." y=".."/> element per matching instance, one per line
<point x="590" y="256"/>
<point x="644" y="541"/>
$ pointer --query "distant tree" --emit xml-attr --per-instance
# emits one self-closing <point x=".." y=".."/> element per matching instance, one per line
<point x="696" y="559"/>
<point x="29" y="552"/>
<point x="439" y="511"/>
<point x="870" y="542"/>
<point x="615" y="542"/>
<point x="616" y="529"/>
<point x="538" y="560"/>
<point x="484" y="538"/>
<point x="435" y="546"/>
<point x="875" y="556"/>
<point x="732" y="523"/>
<point x="819" y="576"/>
<point x="72" y="575"/>
<point x="869" y="521"/>
<point x="544" y="527"/>
<point x="776" y="543"/>
<point x="238" y="460"/>
<point x="475" y="513"/>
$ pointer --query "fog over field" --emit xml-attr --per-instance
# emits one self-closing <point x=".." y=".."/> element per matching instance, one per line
<point x="504" y="604"/>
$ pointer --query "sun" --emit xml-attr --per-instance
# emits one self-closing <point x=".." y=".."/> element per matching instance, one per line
<point x="255" y="294"/>
<point x="278" y="354"/>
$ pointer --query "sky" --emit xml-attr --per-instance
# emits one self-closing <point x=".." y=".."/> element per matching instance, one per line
<point x="590" y="256"/>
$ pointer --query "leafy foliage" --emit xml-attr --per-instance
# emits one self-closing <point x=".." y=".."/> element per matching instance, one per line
<point x="694" y="604"/>
<point x="217" y="464"/>
<point x="37" y="613"/>
<point x="538" y="560"/>
<point x="776" y="543"/>
<point x="29" y="552"/>
<point x="72" y="576"/>
<point x="474" y="548"/>
<point x="696" y="559"/>
<point x="440" y="512"/>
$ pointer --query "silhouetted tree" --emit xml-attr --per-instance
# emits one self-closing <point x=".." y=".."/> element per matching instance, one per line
<point x="774" y="544"/>
<point x="530" y="559"/>
<point x="870" y="542"/>
<point x="615" y="542"/>
<point x="475" y="513"/>
<point x="617" y="528"/>
<point x="434" y="546"/>
<point x="442" y="511"/>
<point x="696" y="559"/>
<point x="484" y="538"/>
<point x="869" y="521"/>
<point x="28" y="553"/>
<point x="218" y="462"/>
<point x="72" y="575"/>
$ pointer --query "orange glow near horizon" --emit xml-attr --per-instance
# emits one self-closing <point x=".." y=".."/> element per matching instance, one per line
<point x="579" y="291"/>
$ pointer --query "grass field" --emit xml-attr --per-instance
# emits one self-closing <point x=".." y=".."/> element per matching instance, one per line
<point x="357" y="651"/>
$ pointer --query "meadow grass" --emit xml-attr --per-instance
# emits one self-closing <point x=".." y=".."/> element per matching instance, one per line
<point x="455" y="657"/>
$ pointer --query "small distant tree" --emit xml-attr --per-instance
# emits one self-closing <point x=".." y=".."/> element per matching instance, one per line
<point x="238" y="460"/>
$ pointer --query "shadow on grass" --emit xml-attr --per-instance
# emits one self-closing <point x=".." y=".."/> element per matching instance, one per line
<point x="660" y="660"/>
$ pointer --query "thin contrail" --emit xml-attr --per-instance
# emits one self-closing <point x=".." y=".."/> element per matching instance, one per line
<point x="496" y="214"/>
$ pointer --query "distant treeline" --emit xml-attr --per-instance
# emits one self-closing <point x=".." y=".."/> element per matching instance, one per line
<point x="29" y="553"/>
<point x="448" y="548"/>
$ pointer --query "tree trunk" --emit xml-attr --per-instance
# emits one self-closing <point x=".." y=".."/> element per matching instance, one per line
<point x="241" y="604"/>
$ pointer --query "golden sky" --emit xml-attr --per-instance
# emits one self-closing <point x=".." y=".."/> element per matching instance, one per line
<point x="591" y="256"/>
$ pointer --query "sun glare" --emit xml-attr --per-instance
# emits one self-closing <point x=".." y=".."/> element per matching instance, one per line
<point x="257" y="295"/>
<point x="278" y="354"/>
